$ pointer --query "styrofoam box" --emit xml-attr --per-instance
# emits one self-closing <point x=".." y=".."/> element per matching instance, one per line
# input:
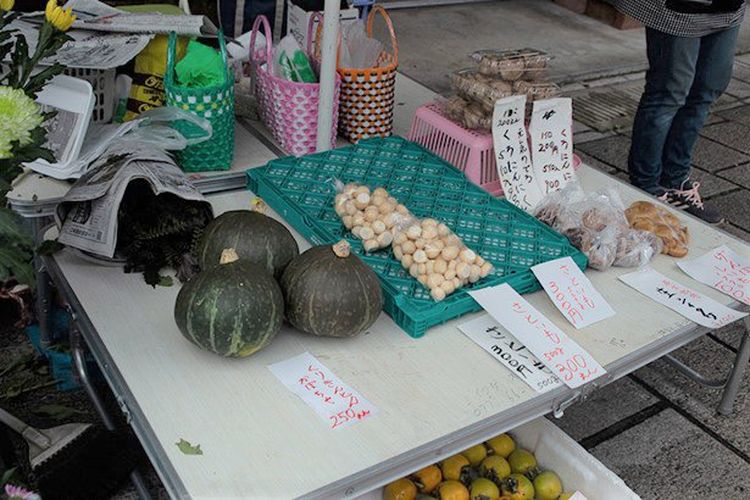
<point x="555" y="450"/>
<point x="297" y="20"/>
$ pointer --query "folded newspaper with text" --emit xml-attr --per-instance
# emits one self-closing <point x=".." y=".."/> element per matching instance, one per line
<point x="88" y="215"/>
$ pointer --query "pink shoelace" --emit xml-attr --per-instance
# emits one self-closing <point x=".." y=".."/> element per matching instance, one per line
<point x="691" y="195"/>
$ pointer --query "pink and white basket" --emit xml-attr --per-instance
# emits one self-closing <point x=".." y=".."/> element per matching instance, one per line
<point x="288" y="109"/>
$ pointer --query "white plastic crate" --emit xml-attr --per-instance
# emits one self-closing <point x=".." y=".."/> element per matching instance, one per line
<point x="103" y="83"/>
<point x="555" y="450"/>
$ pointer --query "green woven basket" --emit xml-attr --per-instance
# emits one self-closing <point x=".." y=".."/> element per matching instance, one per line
<point x="216" y="104"/>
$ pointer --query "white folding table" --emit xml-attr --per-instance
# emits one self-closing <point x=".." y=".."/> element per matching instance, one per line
<point x="436" y="395"/>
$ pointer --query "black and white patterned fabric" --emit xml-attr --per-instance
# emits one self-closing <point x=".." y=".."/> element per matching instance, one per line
<point x="670" y="16"/>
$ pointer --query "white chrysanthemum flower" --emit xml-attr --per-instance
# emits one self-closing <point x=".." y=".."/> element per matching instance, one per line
<point x="19" y="115"/>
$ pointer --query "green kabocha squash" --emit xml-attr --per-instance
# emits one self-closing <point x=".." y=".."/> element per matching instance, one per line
<point x="233" y="309"/>
<point x="329" y="291"/>
<point x="254" y="236"/>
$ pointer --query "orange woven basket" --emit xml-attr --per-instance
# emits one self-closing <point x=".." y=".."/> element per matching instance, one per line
<point x="367" y="95"/>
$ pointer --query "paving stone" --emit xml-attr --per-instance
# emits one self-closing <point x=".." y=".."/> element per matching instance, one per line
<point x="607" y="406"/>
<point x="593" y="162"/>
<point x="734" y="135"/>
<point x="580" y="127"/>
<point x="611" y="150"/>
<point x="711" y="185"/>
<point x="735" y="231"/>
<point x="667" y="457"/>
<point x="712" y="156"/>
<point x="738" y="88"/>
<point x="588" y="136"/>
<point x="739" y="114"/>
<point x="739" y="175"/>
<point x="731" y="334"/>
<point x="741" y="71"/>
<point x="734" y="206"/>
<point x="712" y="360"/>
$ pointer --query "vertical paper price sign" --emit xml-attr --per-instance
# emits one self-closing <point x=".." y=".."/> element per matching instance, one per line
<point x="681" y="299"/>
<point x="565" y="358"/>
<point x="551" y="133"/>
<point x="512" y="153"/>
<point x="337" y="403"/>
<point x="572" y="292"/>
<point x="724" y="270"/>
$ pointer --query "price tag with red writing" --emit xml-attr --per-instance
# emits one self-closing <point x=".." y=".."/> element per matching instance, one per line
<point x="321" y="390"/>
<point x="566" y="359"/>
<point x="681" y="299"/>
<point x="572" y="292"/>
<point x="724" y="270"/>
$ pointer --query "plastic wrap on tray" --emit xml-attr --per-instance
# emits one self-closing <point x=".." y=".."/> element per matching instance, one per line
<point x="511" y="65"/>
<point x="369" y="215"/>
<point x="467" y="114"/>
<point x="595" y="223"/>
<point x="473" y="86"/>
<point x="536" y="90"/>
<point x="436" y="257"/>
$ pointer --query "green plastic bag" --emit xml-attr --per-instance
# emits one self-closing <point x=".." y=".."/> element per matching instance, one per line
<point x="291" y="62"/>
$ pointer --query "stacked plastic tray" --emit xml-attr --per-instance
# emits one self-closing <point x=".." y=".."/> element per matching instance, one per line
<point x="302" y="191"/>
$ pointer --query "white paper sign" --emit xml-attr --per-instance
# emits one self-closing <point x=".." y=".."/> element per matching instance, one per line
<point x="572" y="292"/>
<point x="337" y="403"/>
<point x="724" y="270"/>
<point x="551" y="131"/>
<point x="512" y="153"/>
<point x="577" y="496"/>
<point x="566" y="359"/>
<point x="512" y="354"/>
<point x="679" y="298"/>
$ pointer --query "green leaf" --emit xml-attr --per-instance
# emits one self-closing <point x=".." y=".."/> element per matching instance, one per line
<point x="165" y="281"/>
<point x="188" y="449"/>
<point x="49" y="247"/>
<point x="7" y="476"/>
<point x="11" y="228"/>
<point x="16" y="262"/>
<point x="57" y="412"/>
<point x="37" y="81"/>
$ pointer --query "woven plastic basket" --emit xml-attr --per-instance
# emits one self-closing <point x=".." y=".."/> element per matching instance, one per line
<point x="288" y="109"/>
<point x="215" y="104"/>
<point x="368" y="94"/>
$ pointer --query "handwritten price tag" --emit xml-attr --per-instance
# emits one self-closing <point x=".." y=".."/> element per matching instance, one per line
<point x="679" y="298"/>
<point x="724" y="270"/>
<point x="504" y="347"/>
<point x="551" y="131"/>
<point x="566" y="359"/>
<point x="321" y="390"/>
<point x="572" y="292"/>
<point x="512" y="153"/>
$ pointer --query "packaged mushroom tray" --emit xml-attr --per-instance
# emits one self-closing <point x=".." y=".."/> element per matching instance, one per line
<point x="512" y="64"/>
<point x="426" y="248"/>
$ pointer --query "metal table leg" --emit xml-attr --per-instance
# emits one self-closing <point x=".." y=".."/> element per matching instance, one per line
<point x="77" y="348"/>
<point x="726" y="407"/>
<point x="43" y="283"/>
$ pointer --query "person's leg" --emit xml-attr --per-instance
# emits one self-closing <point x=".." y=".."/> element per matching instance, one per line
<point x="672" y="61"/>
<point x="713" y="73"/>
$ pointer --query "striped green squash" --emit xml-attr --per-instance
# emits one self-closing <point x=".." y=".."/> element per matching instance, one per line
<point x="255" y="236"/>
<point x="330" y="292"/>
<point x="234" y="309"/>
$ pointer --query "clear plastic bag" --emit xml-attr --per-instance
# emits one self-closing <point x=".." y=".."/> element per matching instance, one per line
<point x="595" y="223"/>
<point x="291" y="63"/>
<point x="369" y="215"/>
<point x="152" y="127"/>
<point x="357" y="49"/>
<point x="436" y="257"/>
<point x="646" y="216"/>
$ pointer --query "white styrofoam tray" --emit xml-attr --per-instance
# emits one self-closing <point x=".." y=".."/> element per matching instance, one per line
<point x="73" y="99"/>
<point x="555" y="450"/>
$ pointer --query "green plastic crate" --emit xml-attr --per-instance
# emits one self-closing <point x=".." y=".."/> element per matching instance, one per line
<point x="301" y="190"/>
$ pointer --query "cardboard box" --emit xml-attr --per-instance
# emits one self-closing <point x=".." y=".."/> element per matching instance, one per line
<point x="297" y="20"/>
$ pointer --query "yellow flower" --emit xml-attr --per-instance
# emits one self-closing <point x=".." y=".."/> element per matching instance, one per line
<point x="6" y="5"/>
<point x="60" y="18"/>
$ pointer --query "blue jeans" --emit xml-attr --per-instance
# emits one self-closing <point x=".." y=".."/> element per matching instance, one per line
<point x="685" y="76"/>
